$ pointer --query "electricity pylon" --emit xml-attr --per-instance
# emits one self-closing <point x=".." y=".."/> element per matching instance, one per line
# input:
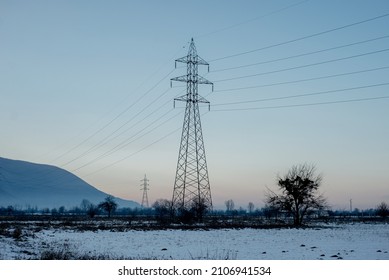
<point x="191" y="186"/>
<point x="145" y="199"/>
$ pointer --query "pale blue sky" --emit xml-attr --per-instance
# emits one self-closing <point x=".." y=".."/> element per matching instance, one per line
<point x="80" y="79"/>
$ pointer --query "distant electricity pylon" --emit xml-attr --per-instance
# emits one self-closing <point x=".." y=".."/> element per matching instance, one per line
<point x="191" y="186"/>
<point x="145" y="199"/>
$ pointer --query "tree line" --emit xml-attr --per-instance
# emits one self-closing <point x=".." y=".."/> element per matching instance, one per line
<point x="296" y="199"/>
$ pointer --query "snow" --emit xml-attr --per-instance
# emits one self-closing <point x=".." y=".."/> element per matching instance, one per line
<point x="347" y="241"/>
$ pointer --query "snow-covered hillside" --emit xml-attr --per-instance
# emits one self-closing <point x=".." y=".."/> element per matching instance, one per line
<point x="25" y="184"/>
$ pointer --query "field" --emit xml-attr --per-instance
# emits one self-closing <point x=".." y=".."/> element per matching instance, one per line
<point x="114" y="239"/>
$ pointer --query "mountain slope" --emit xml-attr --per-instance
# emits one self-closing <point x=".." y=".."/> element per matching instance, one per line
<point x="26" y="184"/>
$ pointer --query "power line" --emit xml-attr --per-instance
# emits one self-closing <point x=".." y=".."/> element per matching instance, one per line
<point x="142" y="96"/>
<point x="302" y="66"/>
<point x="101" y="143"/>
<point x="99" y="120"/>
<point x="251" y="20"/>
<point x="116" y="148"/>
<point x="114" y="119"/>
<point x="111" y="136"/>
<point x="119" y="147"/>
<point x="303" y="105"/>
<point x="143" y="119"/>
<point x="140" y="150"/>
<point x="126" y="142"/>
<point x="107" y="139"/>
<point x="304" y="80"/>
<point x="300" y="55"/>
<point x="112" y="149"/>
<point x="302" y="38"/>
<point x="147" y="116"/>
<point x="301" y="95"/>
<point x="136" y="152"/>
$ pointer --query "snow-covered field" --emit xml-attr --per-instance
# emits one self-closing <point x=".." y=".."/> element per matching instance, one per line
<point x="346" y="241"/>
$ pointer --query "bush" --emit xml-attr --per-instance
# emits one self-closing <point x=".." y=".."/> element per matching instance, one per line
<point x="299" y="195"/>
<point x="382" y="210"/>
<point x="60" y="254"/>
<point x="17" y="233"/>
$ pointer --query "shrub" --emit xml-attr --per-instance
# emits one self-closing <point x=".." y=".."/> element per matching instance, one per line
<point x="17" y="233"/>
<point x="382" y="210"/>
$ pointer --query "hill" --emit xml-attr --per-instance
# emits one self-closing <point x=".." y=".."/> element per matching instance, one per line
<point x="26" y="184"/>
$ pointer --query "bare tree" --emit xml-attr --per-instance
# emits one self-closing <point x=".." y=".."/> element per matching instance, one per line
<point x="84" y="205"/>
<point x="230" y="205"/>
<point x="61" y="210"/>
<point x="250" y="207"/>
<point x="299" y="193"/>
<point x="109" y="205"/>
<point x="92" y="210"/>
<point x="162" y="208"/>
<point x="382" y="210"/>
<point x="89" y="208"/>
<point x="199" y="208"/>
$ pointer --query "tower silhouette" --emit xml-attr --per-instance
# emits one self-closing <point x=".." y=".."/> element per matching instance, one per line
<point x="191" y="185"/>
<point x="145" y="199"/>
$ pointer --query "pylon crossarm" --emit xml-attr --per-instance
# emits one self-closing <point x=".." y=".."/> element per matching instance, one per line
<point x="182" y="60"/>
<point x="201" y="99"/>
<point x="192" y="59"/>
<point x="181" y="98"/>
<point x="201" y="80"/>
<point x="201" y="61"/>
<point x="183" y="78"/>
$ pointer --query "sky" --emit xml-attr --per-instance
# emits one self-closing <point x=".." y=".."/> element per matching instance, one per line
<point x="85" y="85"/>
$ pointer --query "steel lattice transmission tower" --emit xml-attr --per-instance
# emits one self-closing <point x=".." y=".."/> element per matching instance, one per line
<point x="191" y="186"/>
<point x="145" y="199"/>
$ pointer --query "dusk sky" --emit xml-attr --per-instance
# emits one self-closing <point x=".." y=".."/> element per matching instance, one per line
<point x="85" y="86"/>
